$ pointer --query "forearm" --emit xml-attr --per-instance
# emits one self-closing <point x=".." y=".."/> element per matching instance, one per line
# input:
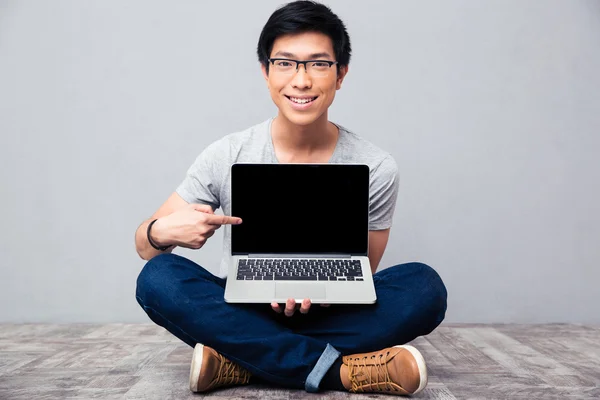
<point x="374" y="268"/>
<point x="377" y="244"/>
<point x="143" y="247"/>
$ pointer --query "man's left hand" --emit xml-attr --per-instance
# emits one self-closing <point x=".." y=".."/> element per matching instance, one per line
<point x="291" y="307"/>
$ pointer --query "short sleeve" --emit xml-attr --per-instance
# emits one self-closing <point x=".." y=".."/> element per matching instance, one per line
<point x="200" y="184"/>
<point x="383" y="192"/>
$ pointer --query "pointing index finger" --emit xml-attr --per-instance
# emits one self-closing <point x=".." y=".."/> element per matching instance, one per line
<point x="223" y="220"/>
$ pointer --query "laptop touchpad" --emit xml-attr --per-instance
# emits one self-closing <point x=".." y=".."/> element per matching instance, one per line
<point x="300" y="290"/>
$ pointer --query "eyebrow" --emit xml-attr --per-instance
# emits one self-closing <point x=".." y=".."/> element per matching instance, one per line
<point x="311" y="57"/>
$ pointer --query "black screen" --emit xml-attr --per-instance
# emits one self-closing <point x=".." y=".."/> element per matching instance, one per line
<point x="300" y="208"/>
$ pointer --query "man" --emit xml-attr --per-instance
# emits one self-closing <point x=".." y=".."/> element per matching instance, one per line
<point x="304" y="51"/>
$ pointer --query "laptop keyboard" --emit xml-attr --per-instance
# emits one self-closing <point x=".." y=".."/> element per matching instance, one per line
<point x="259" y="269"/>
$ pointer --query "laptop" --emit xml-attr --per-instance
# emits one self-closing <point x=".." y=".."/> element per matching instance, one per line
<point x="304" y="234"/>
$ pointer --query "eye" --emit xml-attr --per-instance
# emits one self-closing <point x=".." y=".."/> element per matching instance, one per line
<point x="284" y="63"/>
<point x="320" y="64"/>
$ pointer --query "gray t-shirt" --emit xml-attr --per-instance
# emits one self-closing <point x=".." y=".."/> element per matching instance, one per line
<point x="208" y="181"/>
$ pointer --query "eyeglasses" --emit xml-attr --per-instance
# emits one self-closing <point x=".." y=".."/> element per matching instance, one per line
<point x="286" y="66"/>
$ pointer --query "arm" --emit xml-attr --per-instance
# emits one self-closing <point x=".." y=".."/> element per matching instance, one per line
<point x="143" y="248"/>
<point x="180" y="224"/>
<point x="377" y="243"/>
<point x="383" y="193"/>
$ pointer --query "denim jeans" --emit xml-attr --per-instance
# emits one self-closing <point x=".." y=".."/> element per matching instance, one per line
<point x="293" y="352"/>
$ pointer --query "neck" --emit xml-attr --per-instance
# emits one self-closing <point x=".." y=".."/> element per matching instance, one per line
<point x="316" y="136"/>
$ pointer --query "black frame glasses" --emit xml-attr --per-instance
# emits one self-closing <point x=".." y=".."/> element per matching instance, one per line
<point x="309" y="68"/>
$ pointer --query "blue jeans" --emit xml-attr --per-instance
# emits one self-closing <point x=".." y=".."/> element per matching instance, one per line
<point x="296" y="351"/>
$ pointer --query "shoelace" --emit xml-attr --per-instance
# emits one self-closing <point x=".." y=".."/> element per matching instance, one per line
<point x="227" y="373"/>
<point x="355" y="369"/>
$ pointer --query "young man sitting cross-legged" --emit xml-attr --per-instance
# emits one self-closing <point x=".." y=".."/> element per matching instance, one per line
<point x="304" y="52"/>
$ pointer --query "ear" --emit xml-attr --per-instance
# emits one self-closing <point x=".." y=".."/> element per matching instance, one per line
<point x="265" y="74"/>
<point x="340" y="76"/>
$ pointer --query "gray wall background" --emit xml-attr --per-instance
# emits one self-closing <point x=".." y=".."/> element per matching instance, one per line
<point x="491" y="109"/>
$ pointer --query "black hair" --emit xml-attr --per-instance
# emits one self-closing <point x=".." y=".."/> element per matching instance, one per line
<point x="304" y="16"/>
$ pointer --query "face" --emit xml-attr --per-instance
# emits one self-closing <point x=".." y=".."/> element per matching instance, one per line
<point x="288" y="90"/>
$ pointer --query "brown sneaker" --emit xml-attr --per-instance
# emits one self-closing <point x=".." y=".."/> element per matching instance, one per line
<point x="210" y="370"/>
<point x="398" y="370"/>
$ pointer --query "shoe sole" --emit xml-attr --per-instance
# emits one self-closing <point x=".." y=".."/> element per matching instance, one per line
<point x="420" y="364"/>
<point x="196" y="366"/>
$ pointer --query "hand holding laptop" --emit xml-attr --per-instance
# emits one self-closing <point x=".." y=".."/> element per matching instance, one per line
<point x="291" y="307"/>
<point x="190" y="227"/>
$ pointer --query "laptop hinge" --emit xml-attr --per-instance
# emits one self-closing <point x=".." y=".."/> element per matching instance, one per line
<point x="299" y="256"/>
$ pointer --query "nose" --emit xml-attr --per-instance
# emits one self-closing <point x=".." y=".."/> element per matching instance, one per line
<point x="301" y="78"/>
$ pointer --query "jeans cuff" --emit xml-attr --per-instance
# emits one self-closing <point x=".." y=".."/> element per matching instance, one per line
<point x="318" y="372"/>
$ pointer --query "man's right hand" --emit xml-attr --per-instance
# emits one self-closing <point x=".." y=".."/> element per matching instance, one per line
<point x="189" y="227"/>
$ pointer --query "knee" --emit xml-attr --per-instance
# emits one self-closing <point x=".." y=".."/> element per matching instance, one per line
<point x="434" y="295"/>
<point x="430" y="294"/>
<point x="429" y="277"/>
<point x="152" y="278"/>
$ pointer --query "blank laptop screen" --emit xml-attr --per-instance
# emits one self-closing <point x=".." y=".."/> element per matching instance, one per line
<point x="300" y="208"/>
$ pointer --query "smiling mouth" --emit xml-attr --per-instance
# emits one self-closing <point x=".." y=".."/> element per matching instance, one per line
<point x="302" y="101"/>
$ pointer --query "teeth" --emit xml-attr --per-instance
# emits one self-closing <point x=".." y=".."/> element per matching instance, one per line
<point x="301" y="101"/>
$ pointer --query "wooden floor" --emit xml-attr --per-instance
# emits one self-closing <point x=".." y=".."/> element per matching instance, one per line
<point x="144" y="361"/>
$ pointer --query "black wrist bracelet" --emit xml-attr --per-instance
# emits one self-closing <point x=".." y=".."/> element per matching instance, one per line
<point x="161" y="248"/>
